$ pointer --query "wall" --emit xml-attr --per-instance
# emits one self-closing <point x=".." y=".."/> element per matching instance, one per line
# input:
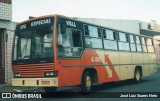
<point x="5" y="23"/>
<point x="5" y="10"/>
<point x="8" y="48"/>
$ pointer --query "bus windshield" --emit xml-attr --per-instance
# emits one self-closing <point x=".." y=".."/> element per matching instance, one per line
<point x="34" y="45"/>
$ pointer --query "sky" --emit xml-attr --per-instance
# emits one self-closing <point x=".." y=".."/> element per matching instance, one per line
<point x="143" y="10"/>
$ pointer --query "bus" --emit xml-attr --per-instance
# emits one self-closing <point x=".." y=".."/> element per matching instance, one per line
<point x="55" y="51"/>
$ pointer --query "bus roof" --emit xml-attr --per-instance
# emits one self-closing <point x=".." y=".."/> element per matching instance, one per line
<point x="62" y="16"/>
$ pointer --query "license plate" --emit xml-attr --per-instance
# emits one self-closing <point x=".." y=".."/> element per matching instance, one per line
<point x="45" y="82"/>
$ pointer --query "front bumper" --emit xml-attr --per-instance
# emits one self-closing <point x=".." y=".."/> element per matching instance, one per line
<point x="35" y="82"/>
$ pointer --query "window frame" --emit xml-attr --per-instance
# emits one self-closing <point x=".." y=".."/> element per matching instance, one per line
<point x="150" y="45"/>
<point x="127" y="41"/>
<point x="140" y="43"/>
<point x="114" y="36"/>
<point x="131" y="43"/>
<point x="144" y="44"/>
<point x="82" y="47"/>
<point x="88" y="36"/>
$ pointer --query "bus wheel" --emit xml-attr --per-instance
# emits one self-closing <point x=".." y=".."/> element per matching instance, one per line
<point x="50" y="89"/>
<point x="137" y="75"/>
<point x="86" y="85"/>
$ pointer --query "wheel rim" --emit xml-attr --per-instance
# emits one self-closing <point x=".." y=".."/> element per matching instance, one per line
<point x="88" y="82"/>
<point x="137" y="75"/>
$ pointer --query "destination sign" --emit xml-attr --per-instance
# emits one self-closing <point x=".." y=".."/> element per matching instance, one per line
<point x="35" y="23"/>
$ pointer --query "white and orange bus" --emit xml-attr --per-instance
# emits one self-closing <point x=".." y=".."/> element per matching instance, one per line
<point x="56" y="51"/>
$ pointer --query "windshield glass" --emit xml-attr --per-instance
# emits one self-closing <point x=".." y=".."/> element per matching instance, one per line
<point x="34" y="44"/>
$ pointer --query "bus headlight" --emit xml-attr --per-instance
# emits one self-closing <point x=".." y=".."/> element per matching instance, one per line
<point x="16" y="75"/>
<point x="50" y="74"/>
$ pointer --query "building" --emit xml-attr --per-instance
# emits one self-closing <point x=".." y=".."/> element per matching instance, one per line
<point x="6" y="33"/>
<point x="152" y="29"/>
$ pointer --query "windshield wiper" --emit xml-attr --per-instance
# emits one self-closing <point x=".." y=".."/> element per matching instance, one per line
<point x="25" y="47"/>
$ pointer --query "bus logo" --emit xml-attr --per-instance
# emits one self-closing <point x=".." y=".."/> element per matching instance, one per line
<point x="95" y="59"/>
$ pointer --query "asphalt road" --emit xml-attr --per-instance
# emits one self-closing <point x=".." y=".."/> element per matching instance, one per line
<point x="148" y="84"/>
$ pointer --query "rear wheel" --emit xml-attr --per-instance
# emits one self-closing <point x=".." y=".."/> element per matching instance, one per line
<point x="86" y="85"/>
<point x="50" y="89"/>
<point x="137" y="75"/>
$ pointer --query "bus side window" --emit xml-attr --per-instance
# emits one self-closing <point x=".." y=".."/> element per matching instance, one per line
<point x="71" y="44"/>
<point x="138" y="44"/>
<point x="123" y="42"/>
<point x="132" y="43"/>
<point x="150" y="45"/>
<point x="93" y="36"/>
<point x="144" y="44"/>
<point x="109" y="39"/>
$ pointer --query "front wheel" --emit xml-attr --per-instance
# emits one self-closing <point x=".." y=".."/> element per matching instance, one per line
<point x="86" y="85"/>
<point x="50" y="89"/>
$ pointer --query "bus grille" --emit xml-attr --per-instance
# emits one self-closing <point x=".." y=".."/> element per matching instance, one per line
<point x="33" y="70"/>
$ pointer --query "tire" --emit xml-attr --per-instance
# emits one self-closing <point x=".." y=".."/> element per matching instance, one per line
<point x="137" y="76"/>
<point x="50" y="89"/>
<point x="86" y="85"/>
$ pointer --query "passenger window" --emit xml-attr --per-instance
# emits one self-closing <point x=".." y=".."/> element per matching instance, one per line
<point x="138" y="44"/>
<point x="109" y="39"/>
<point x="92" y="36"/>
<point x="132" y="39"/>
<point x="150" y="45"/>
<point x="137" y="40"/>
<point x="149" y="42"/>
<point x="123" y="37"/>
<point x="144" y="47"/>
<point x="123" y="42"/>
<point x="132" y="43"/>
<point x="110" y="34"/>
<point x="92" y="31"/>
